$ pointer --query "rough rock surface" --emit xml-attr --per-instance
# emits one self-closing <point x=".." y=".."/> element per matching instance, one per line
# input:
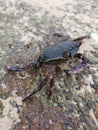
<point x="26" y="24"/>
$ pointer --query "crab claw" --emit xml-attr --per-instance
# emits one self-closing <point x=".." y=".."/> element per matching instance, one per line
<point x="78" y="68"/>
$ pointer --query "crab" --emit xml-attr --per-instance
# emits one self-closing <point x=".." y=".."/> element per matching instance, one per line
<point x="52" y="56"/>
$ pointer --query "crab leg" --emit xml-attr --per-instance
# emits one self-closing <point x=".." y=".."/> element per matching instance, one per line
<point x="52" y="81"/>
<point x="38" y="88"/>
<point x="33" y="63"/>
<point x="51" y="86"/>
<point x="81" y="38"/>
<point x="17" y="68"/>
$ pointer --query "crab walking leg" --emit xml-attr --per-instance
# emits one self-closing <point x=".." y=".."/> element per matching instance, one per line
<point x="51" y="86"/>
<point x="17" y="68"/>
<point x="80" y="67"/>
<point x="33" y="63"/>
<point x="45" y="80"/>
<point x="52" y="81"/>
<point x="81" y="38"/>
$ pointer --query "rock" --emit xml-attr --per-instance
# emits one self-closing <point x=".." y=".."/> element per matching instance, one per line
<point x="24" y="25"/>
<point x="95" y="37"/>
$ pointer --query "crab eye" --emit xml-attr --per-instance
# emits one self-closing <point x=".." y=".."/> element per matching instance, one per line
<point x="66" y="54"/>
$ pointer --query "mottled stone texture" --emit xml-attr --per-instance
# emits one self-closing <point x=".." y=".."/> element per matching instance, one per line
<point x="26" y="25"/>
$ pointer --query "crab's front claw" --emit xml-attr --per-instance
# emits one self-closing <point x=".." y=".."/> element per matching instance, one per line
<point x="78" y="68"/>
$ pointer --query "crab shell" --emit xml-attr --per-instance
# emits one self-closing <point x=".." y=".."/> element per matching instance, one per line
<point x="58" y="52"/>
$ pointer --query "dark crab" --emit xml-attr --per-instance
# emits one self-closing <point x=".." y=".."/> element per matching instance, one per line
<point x="52" y="56"/>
